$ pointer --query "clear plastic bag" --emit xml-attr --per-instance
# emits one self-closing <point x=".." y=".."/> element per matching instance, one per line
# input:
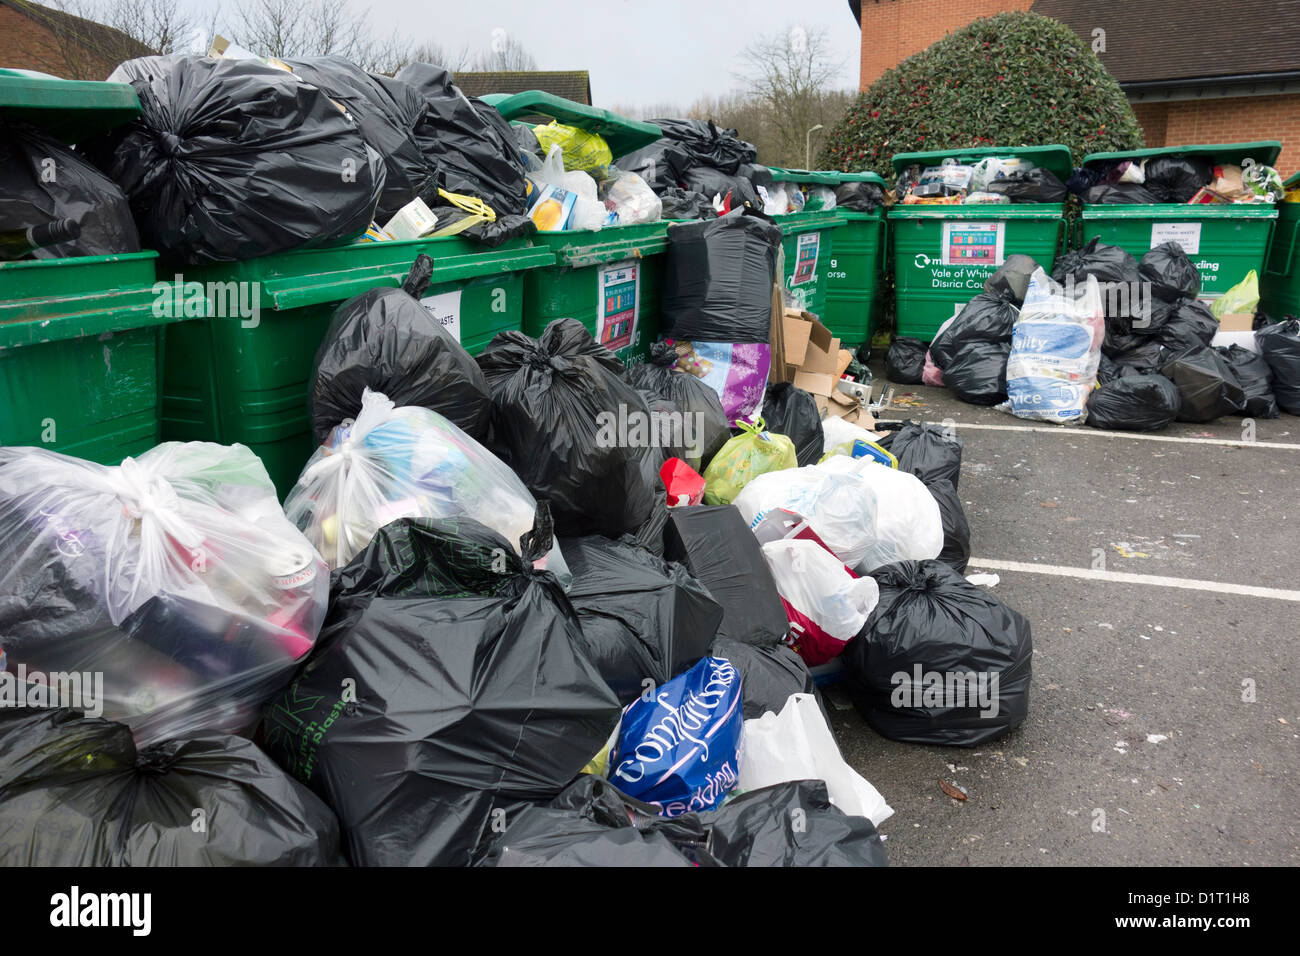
<point x="175" y="576"/>
<point x="627" y="196"/>
<point x="867" y="513"/>
<point x="797" y="744"/>
<point x="406" y="462"/>
<point x="588" y="212"/>
<point x="826" y="604"/>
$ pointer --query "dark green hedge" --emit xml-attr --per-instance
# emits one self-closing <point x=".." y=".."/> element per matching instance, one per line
<point x="1014" y="79"/>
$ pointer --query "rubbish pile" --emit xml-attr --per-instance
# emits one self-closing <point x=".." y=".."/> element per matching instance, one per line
<point x="1175" y="178"/>
<point x="1110" y="341"/>
<point x="997" y="180"/>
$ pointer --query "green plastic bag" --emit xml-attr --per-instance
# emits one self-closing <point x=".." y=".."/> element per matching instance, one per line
<point x="583" y="151"/>
<point x="1241" y="299"/>
<point x="742" y="459"/>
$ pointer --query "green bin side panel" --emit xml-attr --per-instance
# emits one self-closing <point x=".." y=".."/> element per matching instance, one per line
<point x="232" y="382"/>
<point x="928" y="293"/>
<point x="572" y="288"/>
<point x="95" y="397"/>
<point x="854" y="278"/>
<point x="574" y="292"/>
<point x="813" y="235"/>
<point x="1279" y="283"/>
<point x="1229" y="247"/>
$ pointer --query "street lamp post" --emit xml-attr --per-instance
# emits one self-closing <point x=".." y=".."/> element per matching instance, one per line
<point x="807" y="146"/>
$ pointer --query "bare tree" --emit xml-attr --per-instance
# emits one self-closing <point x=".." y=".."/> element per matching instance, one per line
<point x="289" y="28"/>
<point x="792" y="75"/>
<point x="449" y="58"/>
<point x="506" y="54"/>
<point x="81" y="44"/>
<point x="161" y="25"/>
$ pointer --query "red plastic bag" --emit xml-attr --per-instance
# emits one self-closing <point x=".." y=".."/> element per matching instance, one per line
<point x="684" y="484"/>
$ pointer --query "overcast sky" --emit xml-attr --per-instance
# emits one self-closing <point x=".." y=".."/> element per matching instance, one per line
<point x="639" y="52"/>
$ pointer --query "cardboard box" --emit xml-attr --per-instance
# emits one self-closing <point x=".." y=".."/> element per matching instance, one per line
<point x="806" y="354"/>
<point x="1237" y="322"/>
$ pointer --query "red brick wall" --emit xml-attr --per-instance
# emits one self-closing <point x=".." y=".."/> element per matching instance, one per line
<point x="892" y="30"/>
<point x="1239" y="119"/>
<point x="1153" y="118"/>
<point x="27" y="45"/>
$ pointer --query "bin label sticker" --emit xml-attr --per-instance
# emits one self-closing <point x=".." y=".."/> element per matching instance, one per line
<point x="1186" y="234"/>
<point x="805" y="263"/>
<point x="618" y="305"/>
<point x="972" y="243"/>
<point x="445" y="309"/>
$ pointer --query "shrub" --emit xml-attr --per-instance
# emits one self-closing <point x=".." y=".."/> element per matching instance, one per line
<point x="1014" y="79"/>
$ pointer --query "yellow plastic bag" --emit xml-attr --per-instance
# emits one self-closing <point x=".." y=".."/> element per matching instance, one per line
<point x="1241" y="299"/>
<point x="583" y="151"/>
<point x="742" y="459"/>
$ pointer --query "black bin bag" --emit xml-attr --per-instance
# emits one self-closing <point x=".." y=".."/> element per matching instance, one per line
<point x="706" y="145"/>
<point x="1176" y="179"/>
<point x="932" y="621"/>
<point x="859" y="197"/>
<point x="792" y="412"/>
<point x="388" y="112"/>
<point x="662" y="164"/>
<point x="234" y="159"/>
<point x="956" y="529"/>
<point x="1207" y="385"/>
<point x="77" y="191"/>
<point x="987" y="318"/>
<point x="642" y="618"/>
<point x="385" y="340"/>
<point x="1256" y="380"/>
<point x="1279" y="343"/>
<point x="1180" y="326"/>
<point x="977" y="373"/>
<point x="471" y="689"/>
<point x="686" y="204"/>
<point x="470" y="142"/>
<point x="1011" y="280"/>
<point x="557" y="404"/>
<point x="905" y="360"/>
<point x="75" y="791"/>
<point x="1134" y="403"/>
<point x="1104" y="194"/>
<point x="769" y="674"/>
<point x="1030" y="185"/>
<point x="716" y="545"/>
<point x="926" y="450"/>
<point x="1171" y="274"/>
<point x="710" y="182"/>
<point x="1106" y="263"/>
<point x="718" y="277"/>
<point x="687" y="395"/>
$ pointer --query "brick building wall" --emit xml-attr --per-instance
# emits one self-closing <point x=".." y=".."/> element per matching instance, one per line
<point x="892" y="30"/>
<point x="1239" y="119"/>
<point x="26" y="44"/>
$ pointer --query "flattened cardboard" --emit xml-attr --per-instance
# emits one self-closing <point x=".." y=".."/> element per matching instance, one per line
<point x="1237" y="322"/>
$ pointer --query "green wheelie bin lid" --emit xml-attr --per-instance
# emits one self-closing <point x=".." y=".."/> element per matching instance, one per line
<point x="1217" y="154"/>
<point x="823" y="177"/>
<point x="622" y="134"/>
<point x="1055" y="158"/>
<point x="68" y="109"/>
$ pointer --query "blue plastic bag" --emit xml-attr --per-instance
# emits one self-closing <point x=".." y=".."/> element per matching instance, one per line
<point x="680" y="750"/>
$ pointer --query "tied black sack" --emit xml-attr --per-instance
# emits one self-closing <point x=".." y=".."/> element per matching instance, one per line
<point x="561" y="411"/>
<point x="926" y="450"/>
<point x="385" y="340"/>
<point x="472" y="693"/>
<point x="1172" y="276"/>
<point x="642" y="617"/>
<point x="792" y="412"/>
<point x="688" y="396"/>
<point x="718" y="278"/>
<point x="234" y="159"/>
<point x="1279" y="343"/>
<point x="1207" y="384"/>
<point x="932" y="621"/>
<point x="471" y="143"/>
<point x="77" y="191"/>
<point x="905" y="360"/>
<point x="75" y="791"/>
<point x="1134" y="403"/>
<point x="388" y="112"/>
<point x="1256" y="380"/>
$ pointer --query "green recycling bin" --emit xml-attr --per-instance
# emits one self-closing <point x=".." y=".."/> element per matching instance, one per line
<point x="943" y="254"/>
<point x="608" y="279"/>
<point x="806" y="239"/>
<point x="1279" y="283"/>
<point x="855" y="271"/>
<point x="1224" y="240"/>
<point x="240" y="371"/>
<point x="80" y="343"/>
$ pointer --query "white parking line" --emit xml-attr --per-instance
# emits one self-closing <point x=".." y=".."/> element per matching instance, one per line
<point x="1123" y="577"/>
<point x="1137" y="436"/>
